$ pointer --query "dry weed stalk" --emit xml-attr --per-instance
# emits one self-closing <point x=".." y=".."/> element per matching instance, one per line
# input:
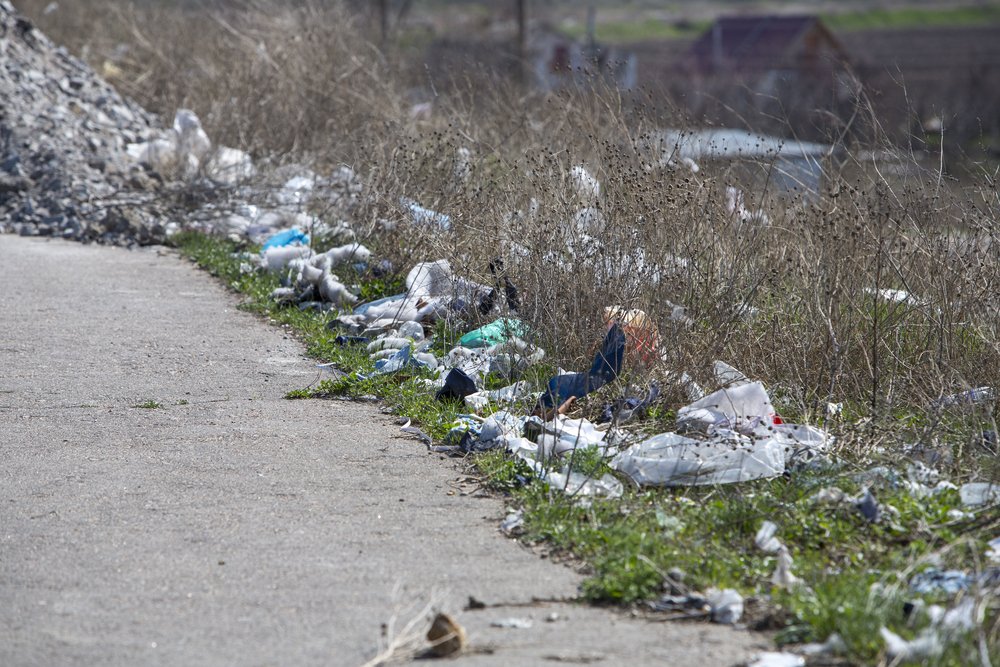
<point x="407" y="642"/>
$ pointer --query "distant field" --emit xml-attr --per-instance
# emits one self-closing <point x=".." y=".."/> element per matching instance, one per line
<point x="912" y="18"/>
<point x="625" y="31"/>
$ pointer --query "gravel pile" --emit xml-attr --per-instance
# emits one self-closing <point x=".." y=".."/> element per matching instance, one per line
<point x="64" y="170"/>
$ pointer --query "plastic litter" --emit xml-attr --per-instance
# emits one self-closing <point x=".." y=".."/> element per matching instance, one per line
<point x="776" y="659"/>
<point x="297" y="190"/>
<point x="412" y="330"/>
<point x="334" y="291"/>
<point x="562" y="436"/>
<point x="350" y="252"/>
<point x="500" y="425"/>
<point x="513" y="623"/>
<point x="276" y="259"/>
<point x="513" y="524"/>
<point x="578" y="484"/>
<point x="505" y="395"/>
<point x="180" y="152"/>
<point x="286" y="237"/>
<point x="496" y="332"/>
<point x="897" y="296"/>
<point x="979" y="493"/>
<point x="229" y="166"/>
<point x="966" y="398"/>
<point x="586" y="187"/>
<point x="868" y="506"/>
<point x="742" y="408"/>
<point x="925" y="645"/>
<point x="993" y="553"/>
<point x="834" y="645"/>
<point x="457" y="385"/>
<point x="413" y="430"/>
<point x="726" y="606"/>
<point x="766" y="540"/>
<point x="403" y="358"/>
<point x="726" y="457"/>
<point x="425" y="216"/>
<point x="429" y="279"/>
<point x="736" y="206"/>
<point x="728" y="376"/>
<point x="937" y="581"/>
<point x="692" y="605"/>
<point x="623" y="409"/>
<point x="388" y="343"/>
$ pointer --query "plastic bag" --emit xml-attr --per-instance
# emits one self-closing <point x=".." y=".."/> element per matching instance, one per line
<point x="670" y="459"/>
<point x="741" y="408"/>
<point x="496" y="332"/>
<point x="286" y="237"/>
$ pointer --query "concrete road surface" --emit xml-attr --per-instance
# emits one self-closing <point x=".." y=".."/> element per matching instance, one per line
<point x="230" y="526"/>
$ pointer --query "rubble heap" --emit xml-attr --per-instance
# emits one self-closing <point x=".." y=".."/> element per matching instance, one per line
<point x="64" y="170"/>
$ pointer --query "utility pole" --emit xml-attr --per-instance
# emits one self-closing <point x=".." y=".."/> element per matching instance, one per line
<point x="383" y="18"/>
<point x="522" y="38"/>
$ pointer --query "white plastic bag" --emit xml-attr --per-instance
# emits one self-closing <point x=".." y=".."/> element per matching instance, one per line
<point x="669" y="459"/>
<point x="740" y="408"/>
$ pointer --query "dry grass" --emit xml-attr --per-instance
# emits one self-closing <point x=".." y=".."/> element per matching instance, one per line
<point x="790" y="302"/>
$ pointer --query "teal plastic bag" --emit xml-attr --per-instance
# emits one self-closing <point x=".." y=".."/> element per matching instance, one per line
<point x="494" y="333"/>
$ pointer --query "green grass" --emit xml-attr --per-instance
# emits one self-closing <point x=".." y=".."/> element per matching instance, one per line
<point x="148" y="405"/>
<point x="854" y="573"/>
<point x="649" y="29"/>
<point x="914" y="18"/>
<point x="708" y="535"/>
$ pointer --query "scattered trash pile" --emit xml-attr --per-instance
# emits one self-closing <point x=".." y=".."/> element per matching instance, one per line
<point x="728" y="436"/>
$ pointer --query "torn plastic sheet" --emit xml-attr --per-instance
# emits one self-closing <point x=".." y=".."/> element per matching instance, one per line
<point x="766" y="540"/>
<point x="725" y="457"/>
<point x="505" y="395"/>
<point x="403" y="358"/>
<point x="425" y="216"/>
<point x="742" y="408"/>
<point x="776" y="659"/>
<point x="570" y="483"/>
<point x="457" y="385"/>
<point x="933" y="580"/>
<point x="979" y="493"/>
<point x="993" y="553"/>
<point x="925" y="645"/>
<point x="562" y="436"/>
<point x="966" y="398"/>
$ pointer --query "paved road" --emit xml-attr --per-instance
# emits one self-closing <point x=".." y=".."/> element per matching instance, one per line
<point x="230" y="526"/>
